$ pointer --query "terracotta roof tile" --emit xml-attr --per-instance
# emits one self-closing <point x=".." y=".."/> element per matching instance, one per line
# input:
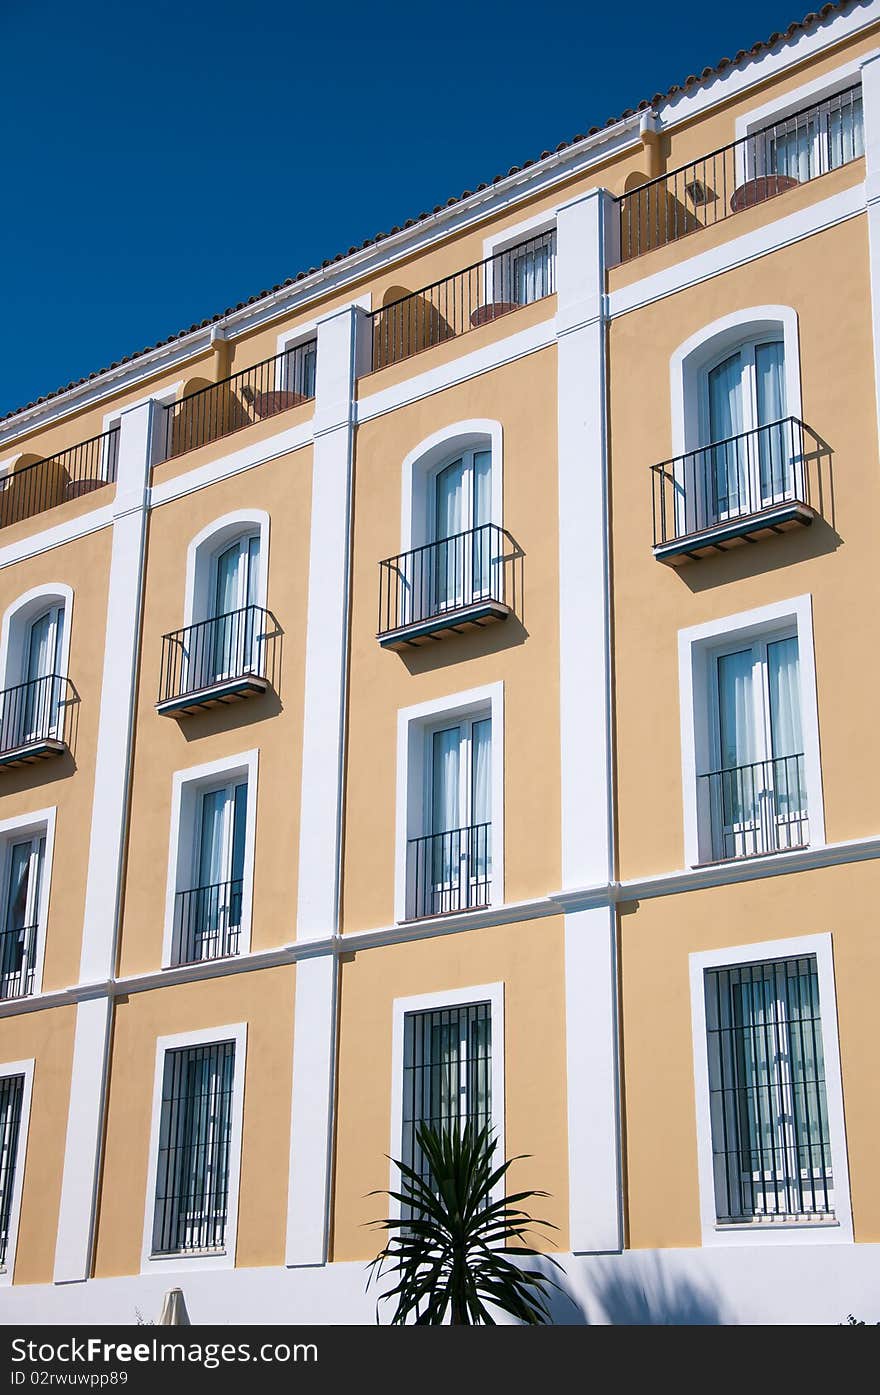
<point x="741" y="56"/>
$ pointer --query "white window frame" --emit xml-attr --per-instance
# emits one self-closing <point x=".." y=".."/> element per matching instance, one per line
<point x="493" y="993"/>
<point x="697" y="646"/>
<point x="17" y="620"/>
<point x="187" y="788"/>
<point x="422" y="464"/>
<point x="789" y="104"/>
<point x="413" y="725"/>
<point x="712" y="343"/>
<point x="206" y="547"/>
<point x="40" y="824"/>
<point x="150" y="1262"/>
<point x="25" y="1068"/>
<point x="817" y="1232"/>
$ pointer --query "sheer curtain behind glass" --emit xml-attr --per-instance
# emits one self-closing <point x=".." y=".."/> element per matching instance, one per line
<point x="774" y="446"/>
<point x="786" y="736"/>
<point x="726" y="462"/>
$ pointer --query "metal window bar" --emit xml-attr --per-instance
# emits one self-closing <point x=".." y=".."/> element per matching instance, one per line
<point x="756" y="809"/>
<point x="449" y="871"/>
<point x="771" y="1150"/>
<point x="447" y="1075"/>
<point x="214" y="651"/>
<point x="69" y="474"/>
<point x="195" y="1129"/>
<point x="33" y="712"/>
<point x="475" y="296"/>
<point x="790" y="151"/>
<point x="744" y="475"/>
<point x="278" y="383"/>
<point x="481" y="564"/>
<point x="17" y="961"/>
<point x="207" y="922"/>
<point x="11" y="1097"/>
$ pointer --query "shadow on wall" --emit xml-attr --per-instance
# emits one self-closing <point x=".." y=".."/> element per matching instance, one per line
<point x="630" y="1291"/>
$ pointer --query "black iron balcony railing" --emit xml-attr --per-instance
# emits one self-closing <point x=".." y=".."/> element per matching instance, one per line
<point x="789" y="152"/>
<point x="476" y="296"/>
<point x="472" y="577"/>
<point x="35" y="488"/>
<point x="756" y="809"/>
<point x="17" y="961"/>
<point x="722" y="487"/>
<point x="207" y="922"/>
<point x="228" y="650"/>
<point x="278" y="383"/>
<point x="34" y="715"/>
<point x="448" y="872"/>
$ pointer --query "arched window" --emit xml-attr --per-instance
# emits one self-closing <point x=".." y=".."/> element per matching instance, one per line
<point x="226" y="600"/>
<point x="33" y="657"/>
<point x="738" y="441"/>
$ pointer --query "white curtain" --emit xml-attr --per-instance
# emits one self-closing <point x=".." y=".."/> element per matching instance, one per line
<point x="737" y="722"/>
<point x="791" y="149"/>
<point x="449" y="521"/>
<point x="445" y="807"/>
<point x="481" y="799"/>
<point x="785" y="697"/>
<point x="774" y="445"/>
<point x="43" y="659"/>
<point x="726" y="488"/>
<point x="482" y="495"/>
<point x="18" y="904"/>
<point x="846" y="131"/>
<point x="531" y="279"/>
<point x="211" y="869"/>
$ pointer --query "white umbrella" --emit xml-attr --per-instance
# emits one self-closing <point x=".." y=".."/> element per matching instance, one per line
<point x="174" y="1312"/>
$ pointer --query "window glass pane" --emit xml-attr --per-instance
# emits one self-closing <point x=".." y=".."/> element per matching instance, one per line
<point x="446" y="1073"/>
<point x="727" y="462"/>
<point x="11" y="1097"/>
<point x="736" y="709"/>
<point x="773" y="440"/>
<point x="768" y="1105"/>
<point x="791" y="148"/>
<point x="192" y="1177"/>
<point x="846" y="132"/>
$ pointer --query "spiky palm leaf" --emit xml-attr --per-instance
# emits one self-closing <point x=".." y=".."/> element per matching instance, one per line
<point x="450" y="1253"/>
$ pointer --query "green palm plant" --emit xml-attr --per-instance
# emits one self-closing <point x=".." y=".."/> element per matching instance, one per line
<point x="449" y="1249"/>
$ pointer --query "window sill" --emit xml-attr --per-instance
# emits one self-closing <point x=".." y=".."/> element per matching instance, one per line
<point x="157" y="1257"/>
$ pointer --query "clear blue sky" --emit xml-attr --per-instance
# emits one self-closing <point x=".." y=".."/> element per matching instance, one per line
<point x="165" y="160"/>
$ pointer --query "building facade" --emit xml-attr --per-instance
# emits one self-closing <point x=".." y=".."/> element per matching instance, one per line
<point x="432" y="690"/>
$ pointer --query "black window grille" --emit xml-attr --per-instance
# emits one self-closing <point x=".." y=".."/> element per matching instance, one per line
<point x="447" y="1074"/>
<point x="771" y="1151"/>
<point x="11" y="1096"/>
<point x="192" y="1175"/>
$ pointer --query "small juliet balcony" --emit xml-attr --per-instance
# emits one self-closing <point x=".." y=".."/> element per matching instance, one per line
<point x="465" y="582"/>
<point x="207" y="922"/>
<point x="759" y="483"/>
<point x="449" y="872"/>
<point x="754" y="810"/>
<point x="35" y="719"/>
<point x="225" y="659"/>
<point x="780" y="157"/>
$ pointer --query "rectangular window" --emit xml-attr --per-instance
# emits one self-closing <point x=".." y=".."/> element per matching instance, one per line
<point x="192" y="1173"/>
<point x="526" y="272"/>
<point x="450" y="866"/>
<point x="821" y="138"/>
<point x="755" y="797"/>
<point x="209" y="910"/>
<point x="300" y="368"/>
<point x="771" y="1152"/>
<point x="11" y="1097"/>
<point x="21" y="913"/>
<point x="447" y="1073"/>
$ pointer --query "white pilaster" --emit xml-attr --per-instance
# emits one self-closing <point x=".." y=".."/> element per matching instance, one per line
<point x="138" y="429"/>
<point x="583" y="231"/>
<point x="82" y="1154"/>
<point x="586" y="234"/>
<point x="341" y="339"/>
<point x="76" y="1216"/>
<point x="871" y="110"/>
<point x="327" y="633"/>
<point x="595" y="1202"/>
<point x="314" y="1044"/>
